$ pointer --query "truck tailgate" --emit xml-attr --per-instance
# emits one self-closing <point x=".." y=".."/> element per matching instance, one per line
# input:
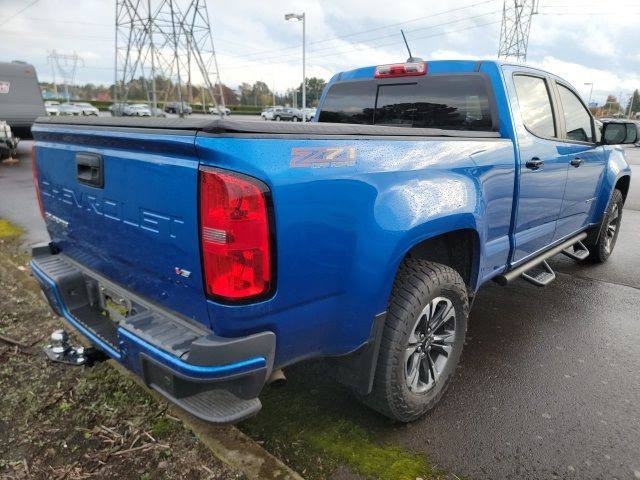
<point x="123" y="202"/>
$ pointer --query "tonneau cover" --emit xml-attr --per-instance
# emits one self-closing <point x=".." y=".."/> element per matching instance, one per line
<point x="239" y="126"/>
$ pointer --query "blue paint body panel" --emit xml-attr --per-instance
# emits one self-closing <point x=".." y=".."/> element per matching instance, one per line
<point x="142" y="224"/>
<point x="341" y="230"/>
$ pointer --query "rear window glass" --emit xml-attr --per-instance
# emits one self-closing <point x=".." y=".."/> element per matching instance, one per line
<point x="350" y="102"/>
<point x="458" y="102"/>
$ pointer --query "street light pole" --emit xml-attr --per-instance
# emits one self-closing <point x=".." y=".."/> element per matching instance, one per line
<point x="301" y="18"/>
<point x="304" y="66"/>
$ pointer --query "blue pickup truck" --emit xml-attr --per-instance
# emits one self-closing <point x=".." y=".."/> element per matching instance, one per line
<point x="207" y="255"/>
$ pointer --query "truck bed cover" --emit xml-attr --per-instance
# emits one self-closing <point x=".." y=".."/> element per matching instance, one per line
<point x="232" y="126"/>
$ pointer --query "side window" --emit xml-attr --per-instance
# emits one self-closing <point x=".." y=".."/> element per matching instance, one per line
<point x="535" y="105"/>
<point x="576" y="117"/>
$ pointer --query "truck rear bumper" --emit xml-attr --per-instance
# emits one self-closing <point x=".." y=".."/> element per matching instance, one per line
<point x="216" y="379"/>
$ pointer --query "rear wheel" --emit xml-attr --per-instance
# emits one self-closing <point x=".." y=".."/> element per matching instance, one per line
<point x="295" y="119"/>
<point x="278" y="118"/>
<point x="602" y="247"/>
<point x="422" y="340"/>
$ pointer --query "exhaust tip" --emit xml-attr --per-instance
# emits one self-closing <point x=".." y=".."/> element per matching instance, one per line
<point x="277" y="379"/>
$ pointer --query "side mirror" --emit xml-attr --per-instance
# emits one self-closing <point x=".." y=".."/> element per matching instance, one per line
<point x="620" y="133"/>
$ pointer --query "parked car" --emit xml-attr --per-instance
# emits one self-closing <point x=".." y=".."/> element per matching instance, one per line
<point x="310" y="114"/>
<point x="117" y="109"/>
<point x="174" y="107"/>
<point x="157" y="112"/>
<point x="137" y="110"/>
<point x="224" y="112"/>
<point x="68" y="109"/>
<point x="86" y="108"/>
<point x="51" y="107"/>
<point x="287" y="115"/>
<point x="207" y="258"/>
<point x="267" y="113"/>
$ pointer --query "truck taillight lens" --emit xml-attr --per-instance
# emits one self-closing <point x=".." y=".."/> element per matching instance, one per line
<point x="235" y="235"/>
<point x="34" y="170"/>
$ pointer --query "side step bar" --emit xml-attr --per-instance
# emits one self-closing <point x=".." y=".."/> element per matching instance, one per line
<point x="547" y="275"/>
<point x="577" y="252"/>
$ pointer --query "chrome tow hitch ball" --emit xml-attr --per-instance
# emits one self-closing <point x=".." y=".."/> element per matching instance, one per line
<point x="60" y="350"/>
<point x="60" y="342"/>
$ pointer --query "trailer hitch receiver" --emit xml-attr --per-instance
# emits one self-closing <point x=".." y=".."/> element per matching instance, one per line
<point x="61" y="351"/>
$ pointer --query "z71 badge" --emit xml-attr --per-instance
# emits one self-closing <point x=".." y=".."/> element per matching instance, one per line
<point x="318" y="157"/>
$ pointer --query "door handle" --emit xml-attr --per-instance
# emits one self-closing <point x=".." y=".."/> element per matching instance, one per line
<point x="89" y="169"/>
<point x="576" y="162"/>
<point x="535" y="163"/>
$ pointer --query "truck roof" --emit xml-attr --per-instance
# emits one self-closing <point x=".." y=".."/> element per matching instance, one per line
<point x="434" y="66"/>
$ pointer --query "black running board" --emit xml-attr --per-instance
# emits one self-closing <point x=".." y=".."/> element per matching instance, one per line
<point x="548" y="274"/>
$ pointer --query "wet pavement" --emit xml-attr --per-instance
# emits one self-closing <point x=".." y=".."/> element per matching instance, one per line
<point x="549" y="383"/>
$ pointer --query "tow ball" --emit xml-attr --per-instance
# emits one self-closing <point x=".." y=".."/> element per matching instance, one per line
<point x="61" y="351"/>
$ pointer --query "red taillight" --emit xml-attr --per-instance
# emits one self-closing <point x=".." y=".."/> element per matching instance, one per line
<point x="401" y="70"/>
<point x="34" y="170"/>
<point x="234" y="231"/>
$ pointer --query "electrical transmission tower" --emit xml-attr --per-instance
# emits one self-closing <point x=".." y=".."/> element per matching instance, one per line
<point x="65" y="66"/>
<point x="165" y="47"/>
<point x="514" y="33"/>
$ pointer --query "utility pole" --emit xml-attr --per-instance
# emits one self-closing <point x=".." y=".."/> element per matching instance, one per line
<point x="66" y="66"/>
<point x="516" y="25"/>
<point x="167" y="39"/>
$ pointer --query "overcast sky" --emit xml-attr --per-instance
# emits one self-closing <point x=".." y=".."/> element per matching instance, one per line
<point x="582" y="41"/>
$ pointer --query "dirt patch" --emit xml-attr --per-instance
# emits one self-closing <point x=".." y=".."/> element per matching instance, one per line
<point x="76" y="422"/>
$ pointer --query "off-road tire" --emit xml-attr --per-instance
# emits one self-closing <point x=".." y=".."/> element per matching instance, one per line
<point x="598" y="250"/>
<point x="417" y="283"/>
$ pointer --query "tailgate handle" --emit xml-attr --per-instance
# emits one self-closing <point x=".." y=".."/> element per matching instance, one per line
<point x="89" y="169"/>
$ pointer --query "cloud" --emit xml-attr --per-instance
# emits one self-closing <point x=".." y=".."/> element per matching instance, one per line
<point x="583" y="42"/>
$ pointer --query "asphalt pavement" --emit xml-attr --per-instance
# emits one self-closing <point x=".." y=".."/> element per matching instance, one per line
<point x="549" y="382"/>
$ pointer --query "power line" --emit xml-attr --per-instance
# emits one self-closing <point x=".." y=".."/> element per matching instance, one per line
<point x="588" y="14"/>
<point x="11" y="17"/>
<point x="74" y="22"/>
<point x="334" y="49"/>
<point x="57" y="35"/>
<point x="333" y="53"/>
<point x="382" y="27"/>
